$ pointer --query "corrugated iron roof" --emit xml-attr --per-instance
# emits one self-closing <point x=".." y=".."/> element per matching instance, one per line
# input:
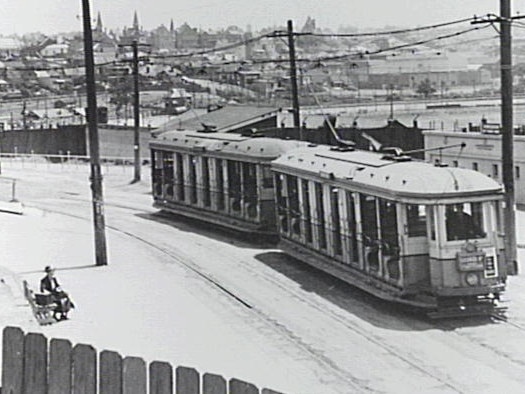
<point x="224" y="119"/>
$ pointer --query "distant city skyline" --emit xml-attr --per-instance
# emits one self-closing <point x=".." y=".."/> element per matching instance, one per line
<point x="55" y="16"/>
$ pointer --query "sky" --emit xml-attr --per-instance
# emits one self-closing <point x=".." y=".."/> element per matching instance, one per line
<point x="54" y="16"/>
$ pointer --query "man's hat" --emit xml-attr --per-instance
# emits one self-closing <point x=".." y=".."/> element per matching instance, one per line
<point x="48" y="269"/>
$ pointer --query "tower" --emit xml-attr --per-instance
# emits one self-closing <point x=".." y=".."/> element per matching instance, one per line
<point x="136" y="27"/>
<point x="99" y="28"/>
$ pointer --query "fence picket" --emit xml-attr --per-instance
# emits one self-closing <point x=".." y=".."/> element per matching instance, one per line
<point x="110" y="373"/>
<point x="12" y="360"/>
<point x="35" y="364"/>
<point x="160" y="378"/>
<point x="84" y="369"/>
<point x="237" y="386"/>
<point x="134" y="378"/>
<point x="25" y="370"/>
<point x="59" y="374"/>
<point x="187" y="381"/>
<point x="213" y="384"/>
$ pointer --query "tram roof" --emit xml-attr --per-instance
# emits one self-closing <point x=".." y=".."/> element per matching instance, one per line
<point x="224" y="144"/>
<point x="373" y="172"/>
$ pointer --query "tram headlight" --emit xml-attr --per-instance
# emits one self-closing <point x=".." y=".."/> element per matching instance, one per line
<point x="472" y="279"/>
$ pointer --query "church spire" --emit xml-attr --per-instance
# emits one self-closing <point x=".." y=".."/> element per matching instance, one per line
<point x="99" y="26"/>
<point x="136" y="22"/>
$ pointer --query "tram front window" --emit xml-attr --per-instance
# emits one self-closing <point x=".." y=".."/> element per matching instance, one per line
<point x="464" y="221"/>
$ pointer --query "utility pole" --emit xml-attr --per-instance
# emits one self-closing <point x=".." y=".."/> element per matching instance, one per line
<point x="293" y="80"/>
<point x="507" y="131"/>
<point x="507" y="136"/>
<point x="136" y="111"/>
<point x="96" y="176"/>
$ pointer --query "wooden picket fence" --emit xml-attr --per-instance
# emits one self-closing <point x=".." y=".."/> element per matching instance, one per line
<point x="33" y="365"/>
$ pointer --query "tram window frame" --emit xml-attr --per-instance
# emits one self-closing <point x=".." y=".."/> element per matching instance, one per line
<point x="219" y="181"/>
<point x="234" y="185"/>
<point x="281" y="201"/>
<point x="158" y="176"/>
<point x="179" y="171"/>
<point x="336" y="221"/>
<point x="370" y="230"/>
<point x="249" y="182"/>
<point x="206" y="181"/>
<point x="267" y="177"/>
<point x="294" y="212"/>
<point x="416" y="216"/>
<point x="192" y="167"/>
<point x="168" y="172"/>
<point x="321" y="220"/>
<point x="352" y="226"/>
<point x="464" y="221"/>
<point x="305" y="190"/>
<point x="388" y="220"/>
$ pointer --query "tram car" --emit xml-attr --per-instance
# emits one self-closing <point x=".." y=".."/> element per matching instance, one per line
<point x="403" y="230"/>
<point x="220" y="178"/>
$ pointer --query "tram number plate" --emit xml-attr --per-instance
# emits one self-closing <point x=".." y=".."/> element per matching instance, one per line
<point x="471" y="262"/>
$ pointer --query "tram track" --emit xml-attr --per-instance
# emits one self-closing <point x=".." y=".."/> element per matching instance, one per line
<point x="349" y="381"/>
<point x="396" y="352"/>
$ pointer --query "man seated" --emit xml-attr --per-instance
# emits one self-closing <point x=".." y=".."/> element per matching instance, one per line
<point x="49" y="285"/>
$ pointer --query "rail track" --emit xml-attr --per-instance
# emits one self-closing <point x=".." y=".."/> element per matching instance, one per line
<point x="346" y="378"/>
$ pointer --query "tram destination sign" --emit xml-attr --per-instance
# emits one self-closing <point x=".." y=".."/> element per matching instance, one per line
<point x="471" y="261"/>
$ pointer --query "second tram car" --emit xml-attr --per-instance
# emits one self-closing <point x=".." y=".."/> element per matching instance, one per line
<point x="403" y="230"/>
<point x="220" y="178"/>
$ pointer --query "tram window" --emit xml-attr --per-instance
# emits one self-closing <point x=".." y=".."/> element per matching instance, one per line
<point x="369" y="218"/>
<point x="369" y="228"/>
<point x="157" y="172"/>
<point x="282" y="208"/>
<point x="388" y="222"/>
<point x="168" y="172"/>
<point x="475" y="166"/>
<point x="432" y="223"/>
<point x="351" y="226"/>
<point x="219" y="179"/>
<point x="293" y="203"/>
<point x="319" y="202"/>
<point x="206" y="182"/>
<point x="464" y="221"/>
<point x="416" y="220"/>
<point x="180" y="177"/>
<point x="193" y="178"/>
<point x="267" y="181"/>
<point x="249" y="180"/>
<point x="307" y="212"/>
<point x="336" y="221"/>
<point x="157" y="154"/>
<point x="234" y="184"/>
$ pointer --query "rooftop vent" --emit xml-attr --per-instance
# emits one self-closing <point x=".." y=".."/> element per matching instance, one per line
<point x="342" y="148"/>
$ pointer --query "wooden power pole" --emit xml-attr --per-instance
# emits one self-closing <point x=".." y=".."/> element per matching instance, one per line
<point x="96" y="175"/>
<point x="136" y="111"/>
<point x="293" y="78"/>
<point x="507" y="135"/>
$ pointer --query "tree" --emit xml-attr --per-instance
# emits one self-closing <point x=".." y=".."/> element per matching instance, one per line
<point x="425" y="88"/>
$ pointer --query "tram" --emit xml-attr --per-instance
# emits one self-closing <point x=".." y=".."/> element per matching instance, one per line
<point x="403" y="230"/>
<point x="220" y="178"/>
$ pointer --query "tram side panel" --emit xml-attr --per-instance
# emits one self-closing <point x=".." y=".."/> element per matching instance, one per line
<point x="345" y="229"/>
